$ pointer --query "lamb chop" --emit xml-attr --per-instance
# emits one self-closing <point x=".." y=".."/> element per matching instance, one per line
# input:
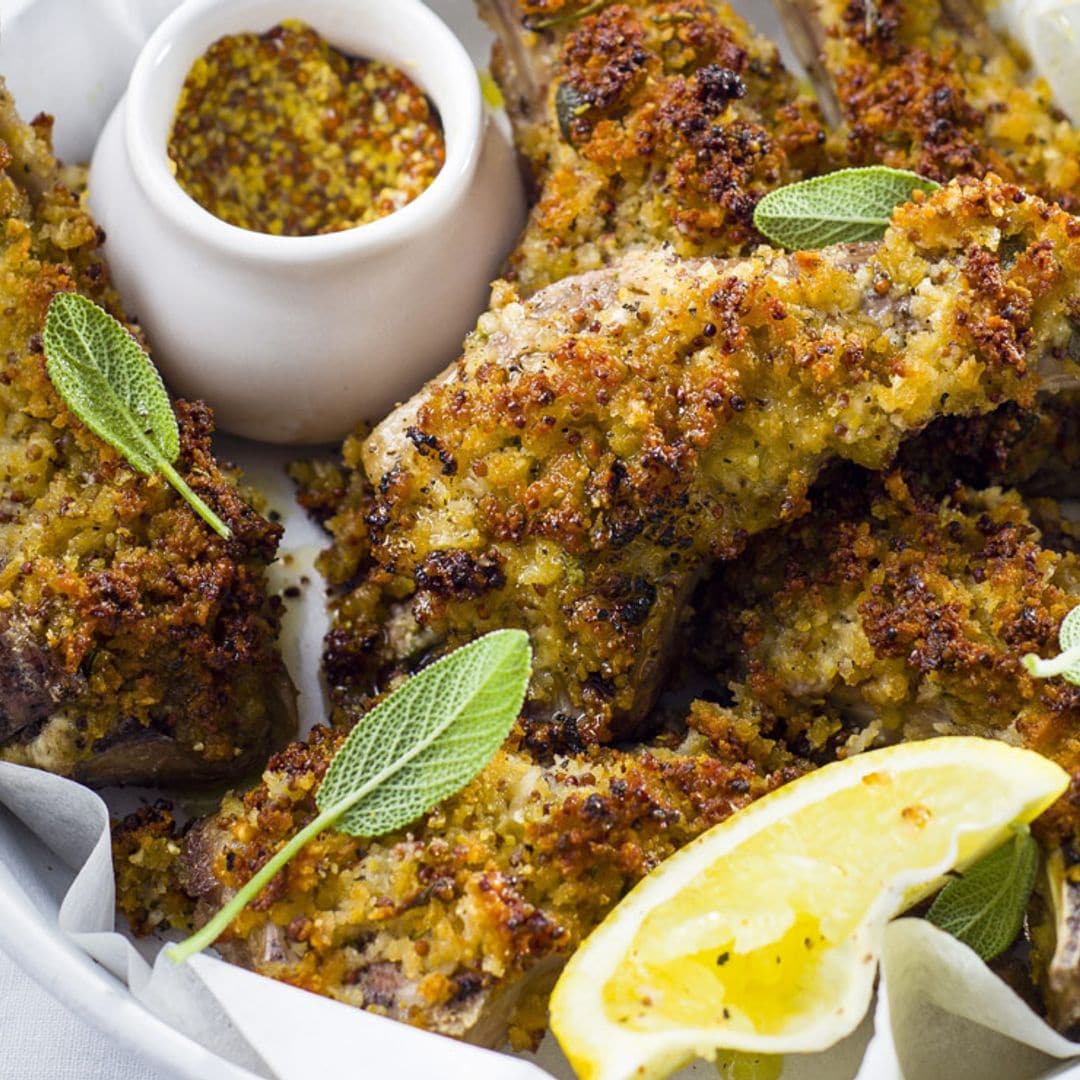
<point x="894" y="614"/>
<point x="642" y="124"/>
<point x="135" y="645"/>
<point x="886" y="614"/>
<point x="603" y="444"/>
<point x="927" y="85"/>
<point x="461" y="923"/>
<point x="614" y="64"/>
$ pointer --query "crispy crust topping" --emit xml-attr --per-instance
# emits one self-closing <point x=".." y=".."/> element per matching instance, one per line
<point x="615" y="435"/>
<point x="922" y="87"/>
<point x="893" y="614"/>
<point x="467" y="913"/>
<point x="657" y="123"/>
<point x="152" y="638"/>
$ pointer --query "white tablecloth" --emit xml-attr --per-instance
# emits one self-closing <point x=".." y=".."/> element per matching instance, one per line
<point x="42" y="1040"/>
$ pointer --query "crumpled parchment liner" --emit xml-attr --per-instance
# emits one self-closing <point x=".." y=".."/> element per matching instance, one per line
<point x="939" y="1002"/>
<point x="941" y="1012"/>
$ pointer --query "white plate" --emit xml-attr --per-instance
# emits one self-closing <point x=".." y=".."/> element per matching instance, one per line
<point x="70" y="57"/>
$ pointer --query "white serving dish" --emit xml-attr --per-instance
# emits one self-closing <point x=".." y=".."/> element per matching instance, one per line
<point x="294" y="339"/>
<point x="72" y="57"/>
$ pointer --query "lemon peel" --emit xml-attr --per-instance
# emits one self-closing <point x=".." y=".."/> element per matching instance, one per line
<point x="763" y="934"/>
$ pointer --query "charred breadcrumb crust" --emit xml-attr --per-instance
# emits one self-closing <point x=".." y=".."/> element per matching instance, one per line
<point x="135" y="644"/>
<point x="652" y="123"/>
<point x="460" y="923"/>
<point x="601" y="444"/>
<point x="145" y="847"/>
<point x="891" y="614"/>
<point x="924" y="85"/>
<point x="1034" y="450"/>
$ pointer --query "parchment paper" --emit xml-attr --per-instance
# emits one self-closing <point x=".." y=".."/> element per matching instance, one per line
<point x="940" y="1011"/>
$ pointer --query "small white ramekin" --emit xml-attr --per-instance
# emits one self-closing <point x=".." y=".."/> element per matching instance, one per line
<point x="295" y="339"/>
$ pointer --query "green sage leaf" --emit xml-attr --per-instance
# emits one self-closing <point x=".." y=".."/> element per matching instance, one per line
<point x="843" y="207"/>
<point x="1069" y="631"/>
<point x="1067" y="662"/>
<point x="420" y="745"/>
<point x="984" y="908"/>
<point x="569" y="105"/>
<point x="107" y="380"/>
<point x="429" y="738"/>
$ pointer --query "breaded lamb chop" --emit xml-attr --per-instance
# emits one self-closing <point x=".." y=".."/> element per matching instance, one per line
<point x="460" y="923"/>
<point x="136" y="646"/>
<point x="603" y="444"/>
<point x="926" y="85"/>
<point x="544" y="49"/>
<point x="929" y="86"/>
<point x="886" y="614"/>
<point x="889" y="614"/>
<point x="645" y="123"/>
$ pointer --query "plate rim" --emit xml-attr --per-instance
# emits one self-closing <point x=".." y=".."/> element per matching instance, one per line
<point x="88" y="990"/>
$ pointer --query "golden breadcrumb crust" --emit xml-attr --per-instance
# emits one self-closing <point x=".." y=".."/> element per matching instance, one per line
<point x="924" y="85"/>
<point x="601" y="444"/>
<point x="646" y="123"/>
<point x="459" y="923"/>
<point x="135" y="644"/>
<point x="889" y="614"/>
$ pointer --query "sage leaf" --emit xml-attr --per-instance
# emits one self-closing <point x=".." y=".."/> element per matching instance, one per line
<point x="1067" y="662"/>
<point x="1069" y="631"/>
<point x="107" y="380"/>
<point x="420" y="745"/>
<point x="984" y="908"/>
<point x="842" y="207"/>
<point x="430" y="737"/>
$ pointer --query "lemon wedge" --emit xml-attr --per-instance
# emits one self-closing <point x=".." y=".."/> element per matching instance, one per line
<point x="763" y="934"/>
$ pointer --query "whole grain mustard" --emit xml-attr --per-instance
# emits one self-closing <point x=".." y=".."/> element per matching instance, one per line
<point x="281" y="133"/>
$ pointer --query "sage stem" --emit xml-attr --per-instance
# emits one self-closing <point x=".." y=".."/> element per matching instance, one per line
<point x="1059" y="665"/>
<point x="197" y="504"/>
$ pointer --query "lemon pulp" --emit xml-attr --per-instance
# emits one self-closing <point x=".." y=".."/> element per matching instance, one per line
<point x="763" y="934"/>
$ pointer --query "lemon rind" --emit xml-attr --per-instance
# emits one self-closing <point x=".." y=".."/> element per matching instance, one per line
<point x="609" y="1052"/>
